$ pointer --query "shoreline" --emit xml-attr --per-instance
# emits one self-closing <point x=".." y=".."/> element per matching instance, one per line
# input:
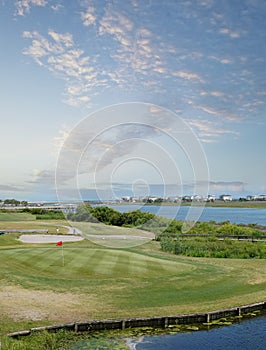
<point x="164" y="322"/>
<point x="216" y="204"/>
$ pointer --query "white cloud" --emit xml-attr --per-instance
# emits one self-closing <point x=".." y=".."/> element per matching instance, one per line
<point x="209" y="110"/>
<point x="57" y="7"/>
<point x="232" y="34"/>
<point x="226" y="61"/>
<point x="216" y="93"/>
<point x="88" y="18"/>
<point x="209" y="131"/>
<point x="206" y="3"/>
<point x="222" y="114"/>
<point x="222" y="60"/>
<point x="58" y="53"/>
<point x="135" y="53"/>
<point x="62" y="39"/>
<point x="188" y="76"/>
<point x="24" y="6"/>
<point x="59" y="140"/>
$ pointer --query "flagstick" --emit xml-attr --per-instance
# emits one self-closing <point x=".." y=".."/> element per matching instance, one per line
<point x="63" y="259"/>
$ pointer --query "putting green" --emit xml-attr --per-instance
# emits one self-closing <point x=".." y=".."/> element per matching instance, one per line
<point x="86" y="263"/>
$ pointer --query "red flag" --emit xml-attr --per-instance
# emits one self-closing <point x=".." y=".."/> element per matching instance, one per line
<point x="59" y="243"/>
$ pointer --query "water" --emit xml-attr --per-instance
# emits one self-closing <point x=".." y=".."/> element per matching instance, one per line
<point x="234" y="215"/>
<point x="246" y="335"/>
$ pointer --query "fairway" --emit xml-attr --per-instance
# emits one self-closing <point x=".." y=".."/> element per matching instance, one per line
<point x="118" y="283"/>
<point x="10" y="216"/>
<point x="98" y="281"/>
<point x="113" y="236"/>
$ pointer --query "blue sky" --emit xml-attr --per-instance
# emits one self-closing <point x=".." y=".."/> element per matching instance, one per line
<point x="65" y="61"/>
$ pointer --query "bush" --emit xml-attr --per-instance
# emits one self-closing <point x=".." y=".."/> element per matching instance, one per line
<point x="110" y="216"/>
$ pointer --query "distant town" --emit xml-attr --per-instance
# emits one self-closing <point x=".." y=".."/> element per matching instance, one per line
<point x="68" y="206"/>
<point x="193" y="198"/>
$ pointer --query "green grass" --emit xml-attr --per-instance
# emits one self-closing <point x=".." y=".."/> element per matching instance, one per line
<point x="99" y="282"/>
<point x="124" y="237"/>
<point x="129" y="282"/>
<point x="10" y="216"/>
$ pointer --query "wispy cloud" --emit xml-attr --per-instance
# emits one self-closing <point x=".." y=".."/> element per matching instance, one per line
<point x="11" y="188"/>
<point x="88" y="17"/>
<point x="209" y="131"/>
<point x="232" y="34"/>
<point x="234" y="186"/>
<point x="136" y="54"/>
<point x="214" y="93"/>
<point x="24" y="6"/>
<point x="58" y="53"/>
<point x="222" y="115"/>
<point x="57" y="7"/>
<point x="222" y="60"/>
<point x="188" y="76"/>
<point x="209" y="110"/>
<point x="131" y="57"/>
<point x="43" y="177"/>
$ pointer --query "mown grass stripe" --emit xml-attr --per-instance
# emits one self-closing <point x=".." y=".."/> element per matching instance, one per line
<point x="106" y="265"/>
<point x="122" y="265"/>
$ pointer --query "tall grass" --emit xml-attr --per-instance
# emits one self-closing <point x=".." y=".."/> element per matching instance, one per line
<point x="214" y="248"/>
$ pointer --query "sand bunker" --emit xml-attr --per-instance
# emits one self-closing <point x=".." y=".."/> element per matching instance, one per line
<point x="49" y="238"/>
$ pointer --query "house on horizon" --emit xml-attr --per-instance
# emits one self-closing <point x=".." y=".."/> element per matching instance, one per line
<point x="126" y="198"/>
<point x="226" y="197"/>
<point x="211" y="198"/>
<point x="261" y="197"/>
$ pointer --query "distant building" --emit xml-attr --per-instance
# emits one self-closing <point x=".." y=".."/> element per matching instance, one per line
<point x="211" y="198"/>
<point x="126" y="199"/>
<point x="251" y="198"/>
<point x="196" y="198"/>
<point x="152" y="199"/>
<point x="226" y="197"/>
<point x="261" y="197"/>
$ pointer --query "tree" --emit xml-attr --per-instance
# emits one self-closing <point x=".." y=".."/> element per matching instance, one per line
<point x="83" y="213"/>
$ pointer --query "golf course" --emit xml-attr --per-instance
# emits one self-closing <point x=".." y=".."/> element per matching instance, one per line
<point x="100" y="281"/>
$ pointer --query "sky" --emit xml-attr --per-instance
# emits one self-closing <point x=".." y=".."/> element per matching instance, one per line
<point x="131" y="97"/>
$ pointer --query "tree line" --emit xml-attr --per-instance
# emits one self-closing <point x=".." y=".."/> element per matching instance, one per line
<point x="13" y="202"/>
<point x="109" y="216"/>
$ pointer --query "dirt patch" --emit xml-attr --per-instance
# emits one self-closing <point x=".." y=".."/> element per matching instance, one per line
<point x="22" y="304"/>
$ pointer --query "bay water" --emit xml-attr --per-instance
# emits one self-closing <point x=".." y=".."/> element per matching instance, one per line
<point x="234" y="215"/>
